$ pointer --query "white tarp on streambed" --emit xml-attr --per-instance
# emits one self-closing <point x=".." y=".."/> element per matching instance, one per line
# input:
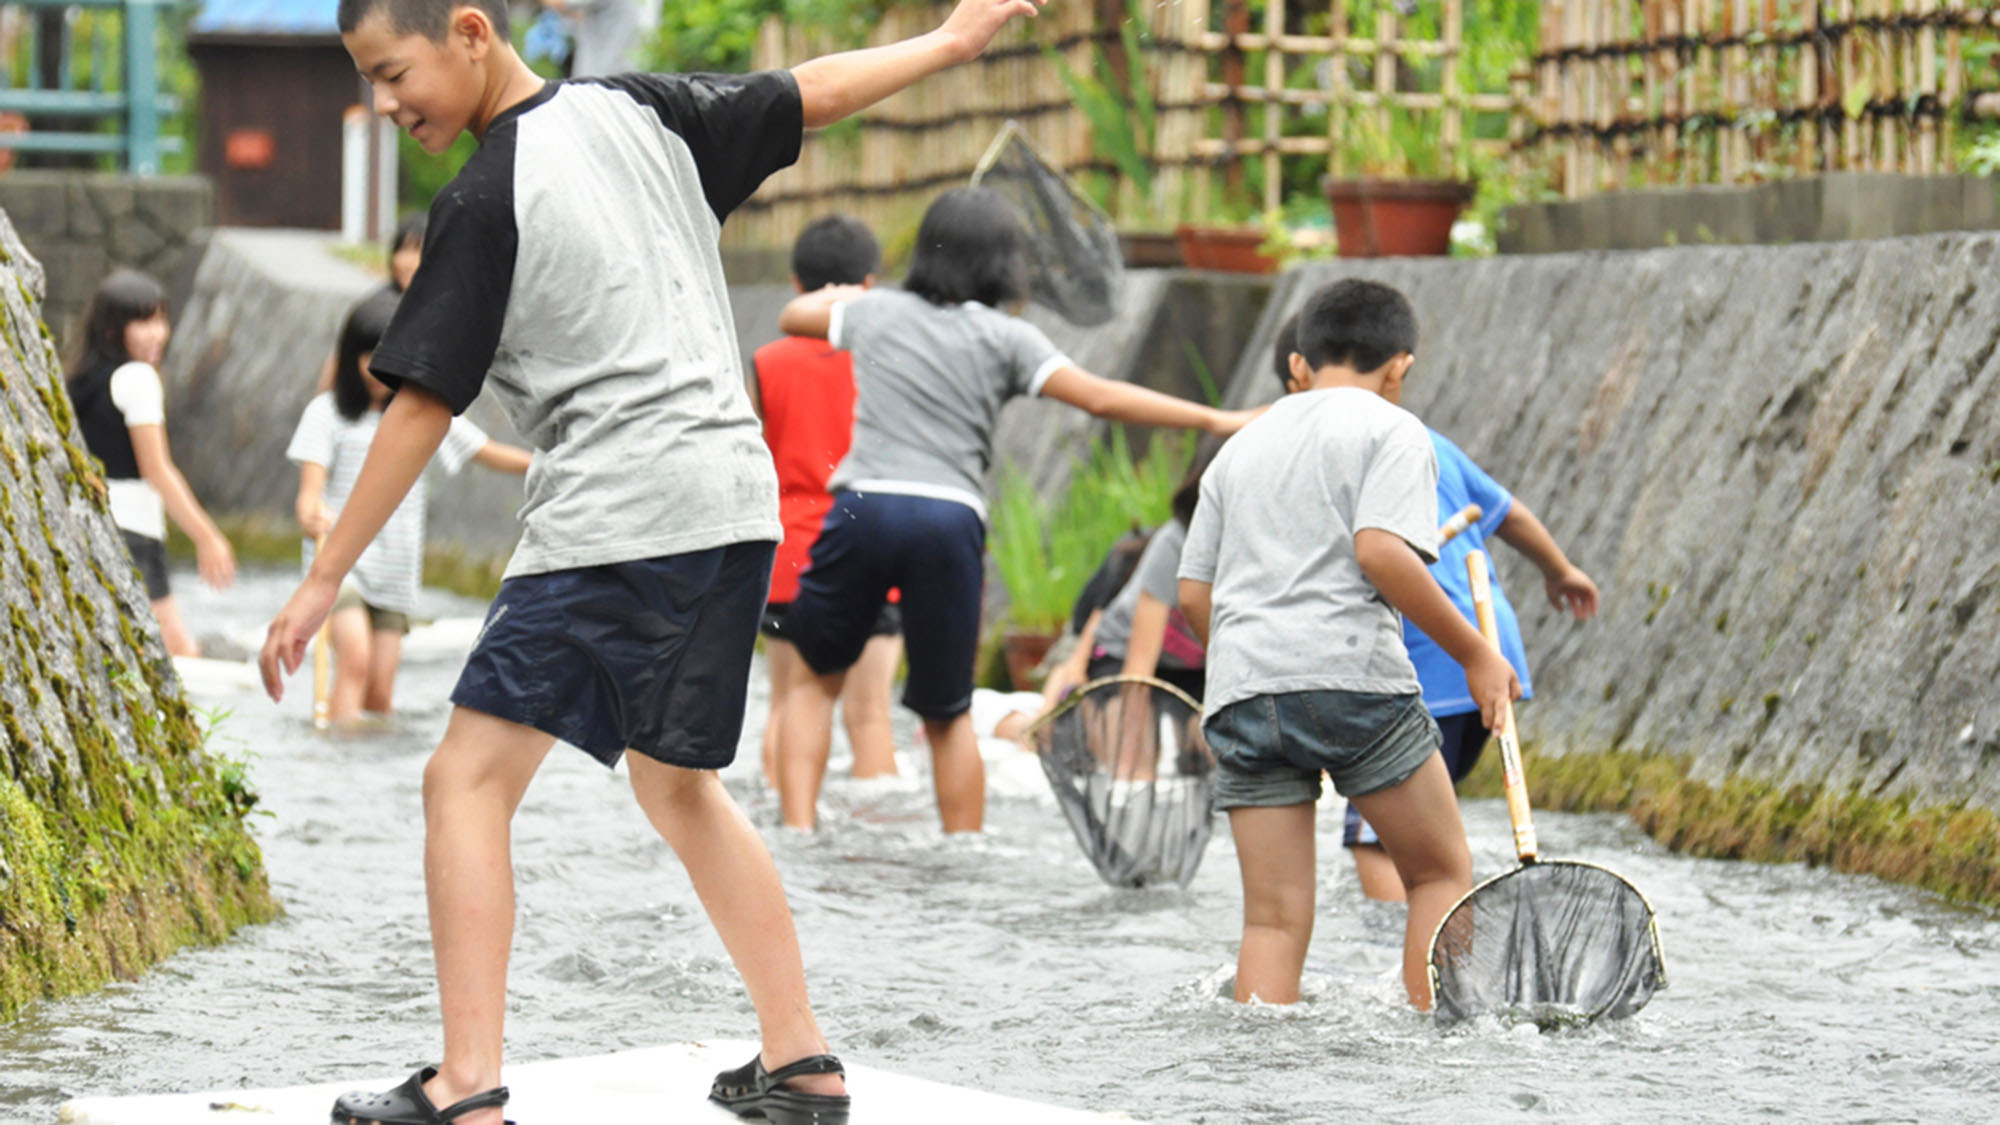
<point x="657" y="1083"/>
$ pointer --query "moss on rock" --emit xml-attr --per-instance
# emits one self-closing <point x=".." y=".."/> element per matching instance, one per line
<point x="122" y="837"/>
<point x="1949" y="850"/>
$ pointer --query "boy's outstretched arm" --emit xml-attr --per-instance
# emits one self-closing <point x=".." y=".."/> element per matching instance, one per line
<point x="1400" y="574"/>
<point x="1568" y="587"/>
<point x="834" y="86"/>
<point x="504" y="458"/>
<point x="811" y="314"/>
<point x="409" y="434"/>
<point x="1109" y="398"/>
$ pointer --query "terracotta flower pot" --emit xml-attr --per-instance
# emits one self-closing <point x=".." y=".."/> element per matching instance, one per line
<point x="1232" y="249"/>
<point x="1376" y="218"/>
<point x="1025" y="650"/>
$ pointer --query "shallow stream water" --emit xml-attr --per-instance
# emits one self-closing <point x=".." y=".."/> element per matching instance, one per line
<point x="1001" y="962"/>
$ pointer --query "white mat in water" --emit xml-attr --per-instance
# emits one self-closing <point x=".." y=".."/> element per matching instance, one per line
<point x="656" y="1083"/>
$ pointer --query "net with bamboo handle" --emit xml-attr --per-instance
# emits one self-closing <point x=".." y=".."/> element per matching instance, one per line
<point x="1552" y="942"/>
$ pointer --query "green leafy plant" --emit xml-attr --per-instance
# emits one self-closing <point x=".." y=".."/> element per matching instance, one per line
<point x="1045" y="551"/>
<point x="1123" y="118"/>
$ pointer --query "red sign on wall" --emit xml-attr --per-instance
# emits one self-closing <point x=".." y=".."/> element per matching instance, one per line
<point x="249" y="148"/>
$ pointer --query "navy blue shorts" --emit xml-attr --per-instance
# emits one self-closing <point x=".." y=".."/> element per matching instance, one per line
<point x="889" y="623"/>
<point x="651" y="655"/>
<point x="1464" y="736"/>
<point x="935" y="551"/>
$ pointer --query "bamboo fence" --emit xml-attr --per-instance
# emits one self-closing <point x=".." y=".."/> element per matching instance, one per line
<point x="1256" y="99"/>
<point x="1237" y="85"/>
<point x="1645" y="92"/>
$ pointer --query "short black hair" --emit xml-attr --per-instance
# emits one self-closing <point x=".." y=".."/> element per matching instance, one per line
<point x="1358" y="324"/>
<point x="1282" y="349"/>
<point x="125" y="295"/>
<point x="428" y="18"/>
<point x="361" y="333"/>
<point x="970" y="247"/>
<point x="410" y="230"/>
<point x="1188" y="496"/>
<point x="834" y="250"/>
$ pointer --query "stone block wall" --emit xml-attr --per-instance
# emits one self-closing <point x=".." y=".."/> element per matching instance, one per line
<point x="1837" y="206"/>
<point x="80" y="225"/>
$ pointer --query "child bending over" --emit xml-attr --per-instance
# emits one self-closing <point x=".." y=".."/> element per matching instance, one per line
<point x="572" y="269"/>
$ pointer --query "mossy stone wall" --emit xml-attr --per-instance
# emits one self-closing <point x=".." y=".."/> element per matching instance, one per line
<point x="120" y="837"/>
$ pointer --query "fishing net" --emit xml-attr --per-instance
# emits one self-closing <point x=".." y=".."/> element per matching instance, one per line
<point x="1554" y="943"/>
<point x="1074" y="260"/>
<point x="1133" y="776"/>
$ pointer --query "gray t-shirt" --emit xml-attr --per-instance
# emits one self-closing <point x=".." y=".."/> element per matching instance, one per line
<point x="1157" y="574"/>
<point x="571" y="269"/>
<point x="929" y="382"/>
<point x="1274" y="534"/>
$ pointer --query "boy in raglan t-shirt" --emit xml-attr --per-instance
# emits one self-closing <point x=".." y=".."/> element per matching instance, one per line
<point x="572" y="269"/>
<point x="1313" y="531"/>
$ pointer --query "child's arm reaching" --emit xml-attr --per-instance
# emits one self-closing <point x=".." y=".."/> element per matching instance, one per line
<point x="409" y="435"/>
<point x="1568" y="587"/>
<point x="1197" y="604"/>
<point x="504" y="458"/>
<point x="811" y="314"/>
<point x="834" y="86"/>
<point x="1400" y="574"/>
<point x="1108" y="398"/>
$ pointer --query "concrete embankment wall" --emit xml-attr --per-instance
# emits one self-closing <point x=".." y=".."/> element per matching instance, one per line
<point x="121" y="838"/>
<point x="1780" y="464"/>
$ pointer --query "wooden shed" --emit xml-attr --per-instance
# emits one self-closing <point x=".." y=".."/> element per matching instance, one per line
<point x="275" y="86"/>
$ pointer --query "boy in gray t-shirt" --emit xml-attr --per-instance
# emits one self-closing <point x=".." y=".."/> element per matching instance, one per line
<point x="1313" y="531"/>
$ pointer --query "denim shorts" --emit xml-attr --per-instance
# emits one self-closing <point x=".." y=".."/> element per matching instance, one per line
<point x="1271" y="749"/>
<point x="651" y="655"/>
<point x="935" y="552"/>
<point x="1464" y="736"/>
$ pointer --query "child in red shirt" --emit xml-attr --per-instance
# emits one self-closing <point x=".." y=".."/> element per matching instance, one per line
<point x="803" y="389"/>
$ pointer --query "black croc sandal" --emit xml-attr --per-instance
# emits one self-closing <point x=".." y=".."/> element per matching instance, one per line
<point x="748" y="1091"/>
<point x="409" y="1105"/>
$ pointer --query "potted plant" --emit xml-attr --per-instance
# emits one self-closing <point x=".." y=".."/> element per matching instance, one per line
<point x="1234" y="249"/>
<point x="1406" y="199"/>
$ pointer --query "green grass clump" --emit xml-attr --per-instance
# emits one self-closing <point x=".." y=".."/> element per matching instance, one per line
<point x="1946" y="849"/>
<point x="1046" y="551"/>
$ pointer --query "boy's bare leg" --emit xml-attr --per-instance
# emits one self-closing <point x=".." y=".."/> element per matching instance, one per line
<point x="738" y="885"/>
<point x="472" y="786"/>
<point x="864" y="707"/>
<point x="804" y="742"/>
<point x="1419" y="827"/>
<point x="958" y="773"/>
<point x="385" y="656"/>
<point x="1275" y="850"/>
<point x="1377" y="872"/>
<point x="173" y="632"/>
<point x="347" y="632"/>
<point x="782" y="658"/>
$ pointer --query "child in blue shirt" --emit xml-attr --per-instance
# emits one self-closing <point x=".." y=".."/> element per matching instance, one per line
<point x="1460" y="482"/>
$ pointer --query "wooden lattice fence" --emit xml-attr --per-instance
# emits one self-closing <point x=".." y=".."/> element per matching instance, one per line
<point x="1635" y="92"/>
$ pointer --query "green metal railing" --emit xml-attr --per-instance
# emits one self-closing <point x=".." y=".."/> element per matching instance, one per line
<point x="121" y="86"/>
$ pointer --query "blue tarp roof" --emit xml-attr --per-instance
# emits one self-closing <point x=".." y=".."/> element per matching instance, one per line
<point x="266" y="17"/>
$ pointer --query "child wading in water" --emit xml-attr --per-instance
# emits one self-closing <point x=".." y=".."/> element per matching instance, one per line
<point x="571" y="268"/>
<point x="803" y="388"/>
<point x="1314" y="529"/>
<point x="1446" y="696"/>
<point x="933" y="364"/>
<point x="373" y="612"/>
<point x="121" y="408"/>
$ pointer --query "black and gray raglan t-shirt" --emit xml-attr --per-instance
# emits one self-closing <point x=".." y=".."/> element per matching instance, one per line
<point x="571" y="267"/>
